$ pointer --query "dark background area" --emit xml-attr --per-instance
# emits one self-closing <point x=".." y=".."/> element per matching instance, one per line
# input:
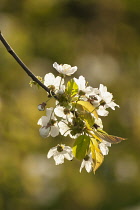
<point x="103" y="39"/>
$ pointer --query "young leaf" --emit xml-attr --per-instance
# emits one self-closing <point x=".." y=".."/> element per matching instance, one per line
<point x="99" y="160"/>
<point x="87" y="117"/>
<point x="81" y="147"/>
<point x="94" y="141"/>
<point x="89" y="107"/>
<point x="92" y="147"/>
<point x="96" y="154"/>
<point x="72" y="88"/>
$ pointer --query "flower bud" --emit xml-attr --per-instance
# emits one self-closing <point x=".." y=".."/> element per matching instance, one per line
<point x="41" y="107"/>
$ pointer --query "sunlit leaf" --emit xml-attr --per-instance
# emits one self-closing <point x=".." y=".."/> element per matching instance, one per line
<point x="96" y="154"/>
<point x="99" y="160"/>
<point x="71" y="88"/>
<point x="89" y="107"/>
<point x="87" y="117"/>
<point x="81" y="147"/>
<point x="94" y="141"/>
<point x="92" y="147"/>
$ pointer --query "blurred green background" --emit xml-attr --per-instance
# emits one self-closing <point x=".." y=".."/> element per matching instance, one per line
<point x="103" y="39"/>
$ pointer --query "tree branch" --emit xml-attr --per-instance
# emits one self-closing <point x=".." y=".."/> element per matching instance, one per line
<point x="24" y="67"/>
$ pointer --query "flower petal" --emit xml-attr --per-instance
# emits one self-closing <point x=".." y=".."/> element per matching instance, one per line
<point x="44" y="132"/>
<point x="68" y="156"/>
<point x="82" y="165"/>
<point x="104" y="147"/>
<point x="56" y="65"/>
<point x="49" y="79"/>
<point x="98" y="121"/>
<point x="43" y="121"/>
<point x="63" y="128"/>
<point x="54" y="131"/>
<point x="59" y="158"/>
<point x="112" y="105"/>
<point x="72" y="70"/>
<point x="51" y="152"/>
<point x="59" y="111"/>
<point x="67" y="149"/>
<point x="88" y="166"/>
<point x="49" y="113"/>
<point x="102" y="111"/>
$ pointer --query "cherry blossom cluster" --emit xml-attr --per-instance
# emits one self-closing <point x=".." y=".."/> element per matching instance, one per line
<point x="76" y="113"/>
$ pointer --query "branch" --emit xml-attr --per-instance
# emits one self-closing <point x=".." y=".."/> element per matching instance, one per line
<point x="24" y="67"/>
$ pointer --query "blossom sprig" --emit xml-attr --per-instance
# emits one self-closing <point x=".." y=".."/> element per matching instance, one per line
<point x="77" y="114"/>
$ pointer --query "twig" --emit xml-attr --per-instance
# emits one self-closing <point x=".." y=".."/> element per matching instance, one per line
<point x="24" y="67"/>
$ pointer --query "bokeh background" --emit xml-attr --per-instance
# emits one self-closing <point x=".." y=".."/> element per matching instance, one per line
<point x="103" y="39"/>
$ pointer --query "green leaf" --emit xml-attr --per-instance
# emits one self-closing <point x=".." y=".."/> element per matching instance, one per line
<point x="87" y="117"/>
<point x="72" y="88"/>
<point x="89" y="107"/>
<point x="81" y="147"/>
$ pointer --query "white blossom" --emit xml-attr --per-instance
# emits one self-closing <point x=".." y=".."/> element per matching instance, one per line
<point x="64" y="128"/>
<point x="59" y="153"/>
<point x="48" y="124"/>
<point x="64" y="113"/>
<point x="102" y="111"/>
<point x="81" y="82"/>
<point x="65" y="69"/>
<point x="56" y="83"/>
<point x="94" y="98"/>
<point x="87" y="163"/>
<point x="104" y="147"/>
<point x="107" y="97"/>
<point x="102" y="99"/>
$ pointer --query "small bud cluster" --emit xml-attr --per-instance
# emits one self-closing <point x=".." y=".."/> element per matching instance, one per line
<point x="77" y="114"/>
